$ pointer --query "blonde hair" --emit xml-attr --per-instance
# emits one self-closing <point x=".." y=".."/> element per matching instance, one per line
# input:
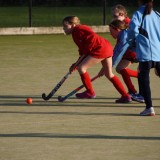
<point x="117" y="24"/>
<point x="72" y="20"/>
<point x="120" y="9"/>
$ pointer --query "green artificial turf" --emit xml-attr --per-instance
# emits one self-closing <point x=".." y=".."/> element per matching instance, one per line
<point x="91" y="129"/>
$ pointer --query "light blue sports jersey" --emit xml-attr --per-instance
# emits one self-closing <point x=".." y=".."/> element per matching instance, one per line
<point x="147" y="43"/>
<point x="121" y="47"/>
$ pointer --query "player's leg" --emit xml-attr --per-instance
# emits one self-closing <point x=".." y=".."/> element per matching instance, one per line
<point x="144" y="79"/>
<point x="126" y="74"/>
<point x="88" y="62"/>
<point x="107" y="65"/>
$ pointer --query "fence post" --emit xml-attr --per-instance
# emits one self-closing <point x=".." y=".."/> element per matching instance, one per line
<point x="30" y="13"/>
<point x="104" y="12"/>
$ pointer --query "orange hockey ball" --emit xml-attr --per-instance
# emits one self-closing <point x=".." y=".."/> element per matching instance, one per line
<point x="29" y="100"/>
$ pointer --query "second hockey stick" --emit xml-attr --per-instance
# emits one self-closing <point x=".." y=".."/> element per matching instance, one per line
<point x="62" y="99"/>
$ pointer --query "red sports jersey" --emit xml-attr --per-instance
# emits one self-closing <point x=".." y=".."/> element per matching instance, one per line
<point x="90" y="43"/>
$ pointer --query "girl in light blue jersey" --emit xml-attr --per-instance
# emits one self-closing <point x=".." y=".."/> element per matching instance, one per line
<point x="144" y="28"/>
<point x="124" y="56"/>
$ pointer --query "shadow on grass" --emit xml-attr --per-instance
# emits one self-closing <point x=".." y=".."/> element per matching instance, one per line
<point x="12" y="100"/>
<point x="54" y="97"/>
<point x="76" y="136"/>
<point x="69" y="113"/>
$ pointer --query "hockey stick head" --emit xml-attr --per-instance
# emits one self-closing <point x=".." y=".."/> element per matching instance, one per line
<point x="54" y="90"/>
<point x="60" y="99"/>
<point x="45" y="97"/>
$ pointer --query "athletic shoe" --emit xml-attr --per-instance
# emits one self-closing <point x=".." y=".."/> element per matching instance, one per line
<point x="137" y="97"/>
<point x="126" y="99"/>
<point x="148" y="112"/>
<point x="85" y="95"/>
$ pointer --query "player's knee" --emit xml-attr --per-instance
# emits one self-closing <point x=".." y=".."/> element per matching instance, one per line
<point x="81" y="69"/>
<point x="109" y="76"/>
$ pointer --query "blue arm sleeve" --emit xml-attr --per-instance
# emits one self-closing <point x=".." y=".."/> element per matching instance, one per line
<point x="134" y="26"/>
<point x="120" y="48"/>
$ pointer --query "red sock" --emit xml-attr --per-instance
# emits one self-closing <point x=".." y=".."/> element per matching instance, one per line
<point x="87" y="82"/>
<point x="127" y="80"/>
<point x="132" y="73"/>
<point x="119" y="86"/>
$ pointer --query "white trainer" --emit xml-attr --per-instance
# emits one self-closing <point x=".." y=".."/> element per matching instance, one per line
<point x="148" y="112"/>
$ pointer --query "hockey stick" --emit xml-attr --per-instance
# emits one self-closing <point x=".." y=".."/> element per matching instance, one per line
<point x="63" y="79"/>
<point x="62" y="99"/>
<point x="47" y="97"/>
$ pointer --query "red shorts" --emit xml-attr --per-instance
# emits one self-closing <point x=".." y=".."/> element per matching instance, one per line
<point x="130" y="55"/>
<point x="105" y="50"/>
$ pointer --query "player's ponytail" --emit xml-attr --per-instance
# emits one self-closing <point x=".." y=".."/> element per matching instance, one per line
<point x="148" y="6"/>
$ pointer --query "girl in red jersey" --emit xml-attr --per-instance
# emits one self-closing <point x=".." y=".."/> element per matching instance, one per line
<point x="92" y="50"/>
